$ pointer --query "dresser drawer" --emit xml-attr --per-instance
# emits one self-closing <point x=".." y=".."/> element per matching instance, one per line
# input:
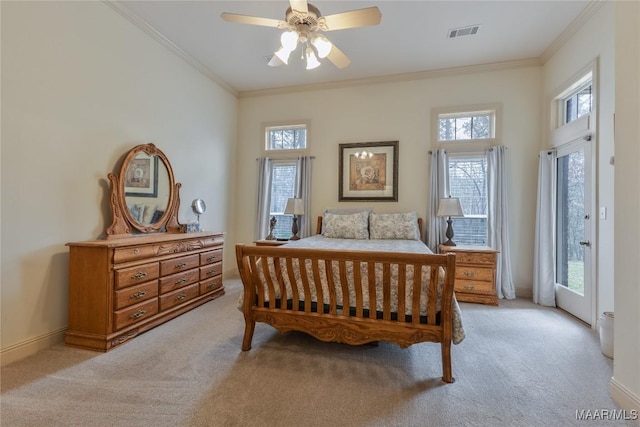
<point x="211" y="257"/>
<point x="178" y="296"/>
<point x="177" y="265"/>
<point x="475" y="258"/>
<point x="474" y="273"/>
<point x="209" y="285"/>
<point x="135" y="313"/>
<point x="135" y="275"/>
<point x="210" y="271"/>
<point x="134" y="294"/>
<point x="179" y="280"/>
<point x="133" y="253"/>
<point x="475" y="286"/>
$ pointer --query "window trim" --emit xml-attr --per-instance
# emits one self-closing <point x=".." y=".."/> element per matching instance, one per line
<point x="463" y="111"/>
<point x="284" y="153"/>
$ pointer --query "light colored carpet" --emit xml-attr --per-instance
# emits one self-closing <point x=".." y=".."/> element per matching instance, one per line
<point x="520" y="365"/>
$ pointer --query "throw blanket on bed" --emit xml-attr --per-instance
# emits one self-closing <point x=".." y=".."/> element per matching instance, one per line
<point x="408" y="246"/>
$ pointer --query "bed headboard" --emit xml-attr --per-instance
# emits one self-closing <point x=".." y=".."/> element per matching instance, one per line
<point x="319" y="226"/>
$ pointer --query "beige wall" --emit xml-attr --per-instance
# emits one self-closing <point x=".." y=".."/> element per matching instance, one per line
<point x="80" y="87"/>
<point x="625" y="384"/>
<point x="402" y="111"/>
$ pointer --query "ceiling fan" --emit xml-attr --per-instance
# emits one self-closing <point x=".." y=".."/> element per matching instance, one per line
<point x="302" y="23"/>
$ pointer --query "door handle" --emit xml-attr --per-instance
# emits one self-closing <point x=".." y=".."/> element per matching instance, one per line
<point x="585" y="243"/>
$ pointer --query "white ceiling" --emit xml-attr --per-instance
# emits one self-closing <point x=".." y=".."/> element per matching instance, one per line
<point x="412" y="37"/>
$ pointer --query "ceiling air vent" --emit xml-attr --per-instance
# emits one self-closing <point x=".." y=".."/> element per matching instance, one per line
<point x="464" y="31"/>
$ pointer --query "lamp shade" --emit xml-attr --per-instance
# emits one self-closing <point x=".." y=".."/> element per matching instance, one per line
<point x="449" y="207"/>
<point x="294" y="207"/>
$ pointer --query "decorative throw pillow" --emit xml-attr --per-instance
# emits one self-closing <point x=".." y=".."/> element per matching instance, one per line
<point x="344" y="211"/>
<point x="402" y="226"/>
<point x="353" y="226"/>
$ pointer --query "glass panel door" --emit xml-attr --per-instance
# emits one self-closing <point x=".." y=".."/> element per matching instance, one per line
<point x="573" y="230"/>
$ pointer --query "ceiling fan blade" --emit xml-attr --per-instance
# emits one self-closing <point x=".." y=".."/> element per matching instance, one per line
<point x="338" y="58"/>
<point x="253" y="20"/>
<point x="352" y="19"/>
<point x="299" y="6"/>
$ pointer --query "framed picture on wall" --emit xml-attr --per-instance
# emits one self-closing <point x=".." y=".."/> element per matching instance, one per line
<point x="368" y="171"/>
<point x="141" y="179"/>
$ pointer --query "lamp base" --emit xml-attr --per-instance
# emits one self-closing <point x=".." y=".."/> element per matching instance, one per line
<point x="294" y="229"/>
<point x="449" y="234"/>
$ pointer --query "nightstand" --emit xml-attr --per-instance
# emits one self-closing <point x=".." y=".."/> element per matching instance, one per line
<point x="270" y="242"/>
<point x="475" y="273"/>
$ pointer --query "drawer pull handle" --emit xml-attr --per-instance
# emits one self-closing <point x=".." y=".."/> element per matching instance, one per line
<point x="211" y="258"/>
<point x="139" y="294"/>
<point x="210" y="272"/>
<point x="181" y="281"/>
<point x="468" y="273"/>
<point x="469" y="287"/>
<point x="181" y="297"/>
<point x="181" y="265"/>
<point x="140" y="275"/>
<point x="138" y="314"/>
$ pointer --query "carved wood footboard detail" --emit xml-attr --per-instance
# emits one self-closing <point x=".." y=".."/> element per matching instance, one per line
<point x="344" y="329"/>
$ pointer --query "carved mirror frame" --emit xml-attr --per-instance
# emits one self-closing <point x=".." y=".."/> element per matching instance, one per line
<point x="123" y="221"/>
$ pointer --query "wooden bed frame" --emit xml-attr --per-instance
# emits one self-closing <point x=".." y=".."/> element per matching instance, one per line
<point x="266" y="300"/>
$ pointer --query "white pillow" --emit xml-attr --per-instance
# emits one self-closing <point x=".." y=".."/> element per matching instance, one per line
<point x="353" y="226"/>
<point x="344" y="211"/>
<point x="402" y="226"/>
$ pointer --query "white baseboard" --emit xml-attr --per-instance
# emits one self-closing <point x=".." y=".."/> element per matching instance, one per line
<point x="30" y="347"/>
<point x="624" y="398"/>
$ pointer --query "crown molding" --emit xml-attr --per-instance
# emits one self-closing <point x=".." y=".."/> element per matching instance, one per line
<point x="421" y="75"/>
<point x="159" y="37"/>
<point x="587" y="13"/>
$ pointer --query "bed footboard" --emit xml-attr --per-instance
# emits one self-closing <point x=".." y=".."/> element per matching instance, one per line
<point x="353" y="297"/>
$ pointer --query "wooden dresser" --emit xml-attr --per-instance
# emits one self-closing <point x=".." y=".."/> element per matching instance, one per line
<point x="475" y="273"/>
<point x="119" y="288"/>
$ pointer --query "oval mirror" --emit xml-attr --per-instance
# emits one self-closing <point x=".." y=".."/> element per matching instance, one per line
<point x="146" y="186"/>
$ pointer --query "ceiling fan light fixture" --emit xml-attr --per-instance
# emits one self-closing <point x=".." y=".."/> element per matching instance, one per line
<point x="282" y="54"/>
<point x="275" y="61"/>
<point x="312" y="61"/>
<point x="322" y="45"/>
<point x="289" y="40"/>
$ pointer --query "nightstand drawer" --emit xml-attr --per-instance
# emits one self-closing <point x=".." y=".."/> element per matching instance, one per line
<point x="475" y="258"/>
<point x="474" y="273"/>
<point x="475" y="286"/>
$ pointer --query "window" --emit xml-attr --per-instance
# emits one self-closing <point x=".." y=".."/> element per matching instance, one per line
<point x="578" y="103"/>
<point x="468" y="181"/>
<point x="283" y="186"/>
<point x="466" y="126"/>
<point x="285" y="138"/>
